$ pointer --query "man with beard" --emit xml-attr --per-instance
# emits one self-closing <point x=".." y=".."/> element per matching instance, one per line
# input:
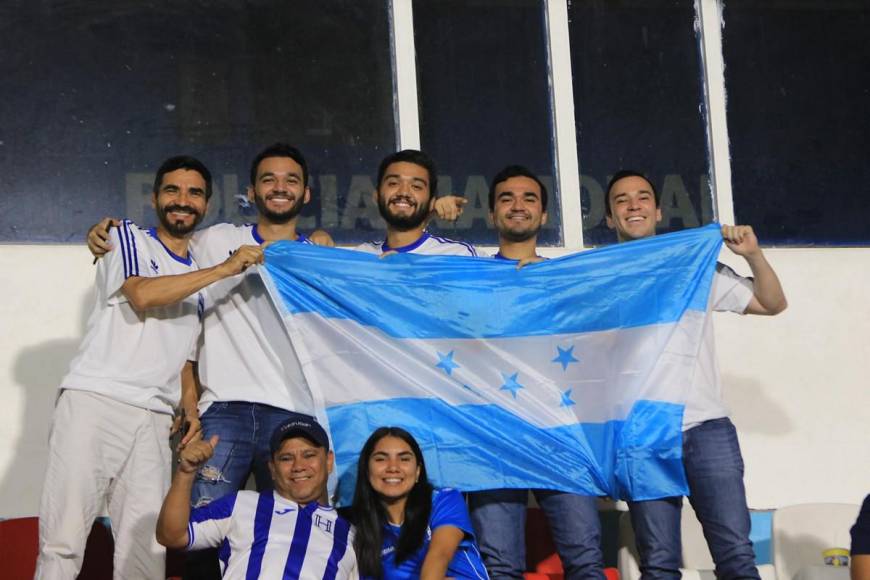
<point x="110" y="430"/>
<point x="407" y="181"/>
<point x="250" y="377"/>
<point x="518" y="209"/>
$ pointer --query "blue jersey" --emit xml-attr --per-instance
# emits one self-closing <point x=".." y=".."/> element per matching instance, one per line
<point x="263" y="535"/>
<point x="448" y="509"/>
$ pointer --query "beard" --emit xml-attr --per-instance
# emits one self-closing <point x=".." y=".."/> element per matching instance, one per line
<point x="178" y="228"/>
<point x="518" y="233"/>
<point x="403" y="223"/>
<point x="279" y="217"/>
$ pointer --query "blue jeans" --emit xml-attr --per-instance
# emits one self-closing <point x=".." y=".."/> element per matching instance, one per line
<point x="499" y="520"/>
<point x="244" y="430"/>
<point x="714" y="470"/>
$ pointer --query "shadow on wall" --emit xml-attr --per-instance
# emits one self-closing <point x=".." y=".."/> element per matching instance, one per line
<point x="38" y="371"/>
<point x="752" y="410"/>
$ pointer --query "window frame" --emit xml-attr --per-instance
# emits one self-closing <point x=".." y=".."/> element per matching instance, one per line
<point x="708" y="18"/>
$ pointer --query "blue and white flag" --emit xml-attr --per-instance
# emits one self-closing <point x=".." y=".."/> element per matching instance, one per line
<point x="570" y="374"/>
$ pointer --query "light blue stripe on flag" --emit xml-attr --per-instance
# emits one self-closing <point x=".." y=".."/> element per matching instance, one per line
<point x="569" y="374"/>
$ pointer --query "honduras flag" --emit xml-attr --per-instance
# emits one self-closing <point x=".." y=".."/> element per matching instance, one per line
<point x="570" y="374"/>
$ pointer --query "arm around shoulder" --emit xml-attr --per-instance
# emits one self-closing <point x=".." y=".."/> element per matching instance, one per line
<point x="152" y="292"/>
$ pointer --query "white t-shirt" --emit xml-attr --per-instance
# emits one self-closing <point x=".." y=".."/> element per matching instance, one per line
<point x="245" y="353"/>
<point x="730" y="293"/>
<point x="263" y="535"/>
<point x="133" y="357"/>
<point x="427" y="245"/>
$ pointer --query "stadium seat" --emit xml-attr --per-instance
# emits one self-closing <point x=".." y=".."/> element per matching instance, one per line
<point x="801" y="533"/>
<point x="19" y="546"/>
<point x="542" y="561"/>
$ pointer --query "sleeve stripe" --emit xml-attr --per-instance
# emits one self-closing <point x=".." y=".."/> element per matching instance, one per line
<point x="128" y="250"/>
<point x="122" y="235"/>
<point x="135" y="256"/>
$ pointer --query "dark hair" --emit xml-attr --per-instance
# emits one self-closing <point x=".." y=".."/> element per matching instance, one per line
<point x="417" y="158"/>
<point x="622" y="175"/>
<point x="183" y="162"/>
<point x="369" y="514"/>
<point x="280" y="150"/>
<point x="515" y="171"/>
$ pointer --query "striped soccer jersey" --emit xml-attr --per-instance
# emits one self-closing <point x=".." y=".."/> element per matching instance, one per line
<point x="263" y="535"/>
<point x="245" y="354"/>
<point x="427" y="245"/>
<point x="136" y="357"/>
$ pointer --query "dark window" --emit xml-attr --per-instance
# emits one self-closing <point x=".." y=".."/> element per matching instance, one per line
<point x="96" y="94"/>
<point x="798" y="80"/>
<point x="638" y="104"/>
<point x="485" y="101"/>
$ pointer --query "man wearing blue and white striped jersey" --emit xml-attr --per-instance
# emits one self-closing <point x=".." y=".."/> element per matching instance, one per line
<point x="285" y="533"/>
<point x="518" y="210"/>
<point x="109" y="441"/>
<point x="407" y="182"/>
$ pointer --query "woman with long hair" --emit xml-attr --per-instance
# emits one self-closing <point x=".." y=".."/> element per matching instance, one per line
<point x="404" y="527"/>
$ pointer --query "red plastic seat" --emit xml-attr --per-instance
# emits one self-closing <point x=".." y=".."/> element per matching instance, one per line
<point x="542" y="561"/>
<point x="19" y="546"/>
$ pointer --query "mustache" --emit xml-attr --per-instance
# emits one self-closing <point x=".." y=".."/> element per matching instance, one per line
<point x="179" y="208"/>
<point x="406" y="198"/>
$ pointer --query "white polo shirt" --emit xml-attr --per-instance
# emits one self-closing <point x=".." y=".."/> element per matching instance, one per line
<point x="132" y="357"/>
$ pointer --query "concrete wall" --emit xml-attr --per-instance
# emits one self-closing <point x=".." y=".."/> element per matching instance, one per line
<point x="796" y="383"/>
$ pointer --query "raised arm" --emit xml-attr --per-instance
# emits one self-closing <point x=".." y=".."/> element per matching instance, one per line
<point x="175" y="512"/>
<point x="445" y="541"/>
<point x="768" y="298"/>
<point x="145" y="292"/>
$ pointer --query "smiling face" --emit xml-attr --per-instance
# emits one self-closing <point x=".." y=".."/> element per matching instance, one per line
<point x="404" y="198"/>
<point x="279" y="191"/>
<point x="393" y="469"/>
<point x="634" y="214"/>
<point x="180" y="201"/>
<point x="300" y="469"/>
<point x="518" y="212"/>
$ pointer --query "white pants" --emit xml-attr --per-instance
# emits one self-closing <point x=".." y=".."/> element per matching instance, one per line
<point x="103" y="452"/>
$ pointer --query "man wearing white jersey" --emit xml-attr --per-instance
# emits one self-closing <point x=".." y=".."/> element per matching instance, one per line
<point x="250" y="376"/>
<point x="518" y="210"/>
<point x="711" y="452"/>
<point x="285" y="533"/>
<point x="407" y="182"/>
<point x="109" y="441"/>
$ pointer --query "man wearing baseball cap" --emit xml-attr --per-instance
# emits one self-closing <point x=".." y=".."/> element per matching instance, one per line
<point x="272" y="533"/>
